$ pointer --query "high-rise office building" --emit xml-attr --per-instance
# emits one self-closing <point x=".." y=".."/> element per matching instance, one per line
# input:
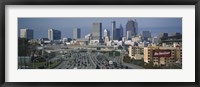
<point x="146" y="34"/>
<point x="128" y="35"/>
<point x="118" y="34"/>
<point x="97" y="31"/>
<point x="177" y="35"/>
<point x="88" y="36"/>
<point x="114" y="30"/>
<point x="106" y="39"/>
<point x="122" y="30"/>
<point x="163" y="35"/>
<point x="106" y="36"/>
<point x="155" y="40"/>
<point x="76" y="33"/>
<point x="133" y="27"/>
<point x="26" y="33"/>
<point x="54" y="34"/>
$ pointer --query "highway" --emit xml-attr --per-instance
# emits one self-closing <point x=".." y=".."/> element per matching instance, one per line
<point x="94" y="60"/>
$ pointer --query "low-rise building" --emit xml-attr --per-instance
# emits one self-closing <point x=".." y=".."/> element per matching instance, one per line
<point x="94" y="42"/>
<point x="162" y="56"/>
<point x="82" y="42"/>
<point x="129" y="42"/>
<point x="135" y="52"/>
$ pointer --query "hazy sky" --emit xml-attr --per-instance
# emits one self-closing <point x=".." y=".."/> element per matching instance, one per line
<point x="65" y="25"/>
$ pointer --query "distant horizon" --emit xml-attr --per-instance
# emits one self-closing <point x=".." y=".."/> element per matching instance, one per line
<point x="66" y="25"/>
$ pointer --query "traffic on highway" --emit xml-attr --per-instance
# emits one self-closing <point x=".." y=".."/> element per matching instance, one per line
<point x="87" y="60"/>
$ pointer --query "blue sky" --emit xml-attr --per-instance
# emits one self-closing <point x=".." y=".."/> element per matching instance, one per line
<point x="65" y="25"/>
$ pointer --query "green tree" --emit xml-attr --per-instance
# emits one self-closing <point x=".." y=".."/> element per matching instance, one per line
<point x="120" y="47"/>
<point x="33" y="44"/>
<point x="127" y="59"/>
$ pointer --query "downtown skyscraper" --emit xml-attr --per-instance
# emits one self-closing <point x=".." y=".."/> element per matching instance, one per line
<point x="106" y="36"/>
<point x="119" y="33"/>
<point x="113" y="24"/>
<point x="26" y="33"/>
<point x="54" y="34"/>
<point x="76" y="33"/>
<point x="97" y="31"/>
<point x="146" y="35"/>
<point x="132" y="28"/>
<point x="106" y="33"/>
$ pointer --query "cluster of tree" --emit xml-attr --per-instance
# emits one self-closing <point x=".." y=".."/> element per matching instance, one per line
<point x="120" y="47"/>
<point x="22" y="47"/>
<point x="127" y="59"/>
<point x="150" y="65"/>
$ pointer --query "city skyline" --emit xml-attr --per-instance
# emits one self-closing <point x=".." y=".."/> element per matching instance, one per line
<point x="66" y="25"/>
<point x="108" y="43"/>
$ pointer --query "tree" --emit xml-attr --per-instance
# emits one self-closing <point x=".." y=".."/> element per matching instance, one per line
<point x="32" y="44"/>
<point x="127" y="59"/>
<point x="120" y="47"/>
<point x="22" y="46"/>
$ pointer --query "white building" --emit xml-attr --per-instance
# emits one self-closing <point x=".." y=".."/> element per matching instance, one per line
<point x="106" y="33"/>
<point x="124" y="39"/>
<point x="88" y="36"/>
<point x="94" y="42"/>
<point x="128" y="35"/>
<point x="26" y="33"/>
<point x="155" y="40"/>
<point x="106" y="39"/>
<point x="129" y="42"/>
<point x="136" y="39"/>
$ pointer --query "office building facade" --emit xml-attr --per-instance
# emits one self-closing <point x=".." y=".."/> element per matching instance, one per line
<point x="76" y="33"/>
<point x="97" y="31"/>
<point x="133" y="27"/>
<point x="54" y="34"/>
<point x="122" y="30"/>
<point x="26" y="33"/>
<point x="106" y="33"/>
<point x="177" y="35"/>
<point x="128" y="35"/>
<point x="146" y="35"/>
<point x="114" y="30"/>
<point x="163" y="35"/>
<point x="118" y="34"/>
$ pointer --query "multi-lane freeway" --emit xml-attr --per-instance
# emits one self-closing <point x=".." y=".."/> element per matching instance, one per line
<point x="94" y="60"/>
